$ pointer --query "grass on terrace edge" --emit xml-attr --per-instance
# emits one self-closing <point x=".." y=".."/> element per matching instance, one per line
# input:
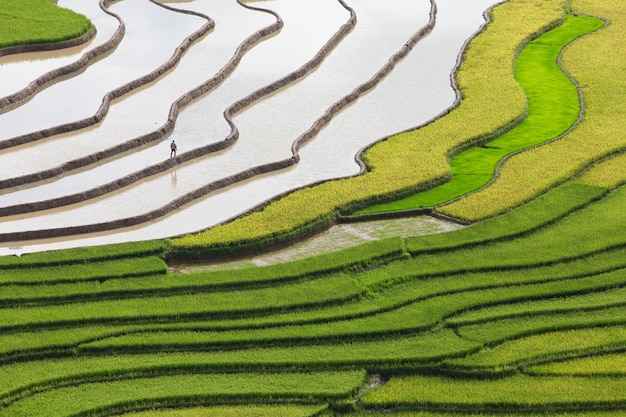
<point x="27" y="22"/>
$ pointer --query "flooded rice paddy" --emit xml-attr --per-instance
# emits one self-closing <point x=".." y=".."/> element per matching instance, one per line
<point x="418" y="89"/>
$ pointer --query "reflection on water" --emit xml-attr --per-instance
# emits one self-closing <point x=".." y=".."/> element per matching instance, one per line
<point x="417" y="90"/>
<point x="173" y="178"/>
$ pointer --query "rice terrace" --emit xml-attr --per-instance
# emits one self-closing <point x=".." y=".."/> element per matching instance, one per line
<point x="312" y="208"/>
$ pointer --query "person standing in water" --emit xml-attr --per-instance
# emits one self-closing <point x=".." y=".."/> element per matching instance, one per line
<point x="173" y="148"/>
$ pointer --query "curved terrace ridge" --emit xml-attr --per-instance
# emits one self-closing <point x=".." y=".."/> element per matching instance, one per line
<point x="359" y="158"/>
<point x="106" y="102"/>
<point x="243" y="175"/>
<point x="168" y="127"/>
<point x="19" y="97"/>
<point x="368" y="85"/>
<point x="391" y="305"/>
<point x="155" y="135"/>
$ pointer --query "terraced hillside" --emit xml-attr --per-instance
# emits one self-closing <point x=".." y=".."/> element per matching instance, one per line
<point x="520" y="313"/>
<point x="492" y="313"/>
<point x="212" y="76"/>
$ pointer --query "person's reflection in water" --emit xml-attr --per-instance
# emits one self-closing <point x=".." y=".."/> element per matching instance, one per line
<point x="173" y="178"/>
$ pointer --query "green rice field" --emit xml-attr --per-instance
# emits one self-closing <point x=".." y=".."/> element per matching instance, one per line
<point x="27" y="22"/>
<point x="553" y="107"/>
